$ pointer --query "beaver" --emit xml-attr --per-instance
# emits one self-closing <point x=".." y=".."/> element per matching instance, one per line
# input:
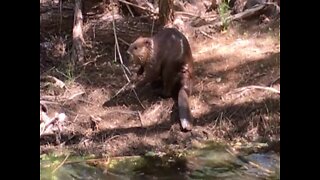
<point x="166" y="56"/>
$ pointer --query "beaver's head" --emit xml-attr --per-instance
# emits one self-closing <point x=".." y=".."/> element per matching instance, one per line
<point x="140" y="50"/>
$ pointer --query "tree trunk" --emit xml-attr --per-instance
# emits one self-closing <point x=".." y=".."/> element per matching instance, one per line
<point x="78" y="41"/>
<point x="166" y="14"/>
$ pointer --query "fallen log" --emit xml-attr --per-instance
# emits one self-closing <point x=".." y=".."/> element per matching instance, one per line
<point x="254" y="11"/>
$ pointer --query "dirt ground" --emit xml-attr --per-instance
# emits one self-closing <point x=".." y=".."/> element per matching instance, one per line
<point x="225" y="105"/>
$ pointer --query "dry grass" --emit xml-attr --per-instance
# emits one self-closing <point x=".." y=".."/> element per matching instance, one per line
<point x="100" y="123"/>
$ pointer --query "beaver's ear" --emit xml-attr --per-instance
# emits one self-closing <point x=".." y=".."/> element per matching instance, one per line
<point x="147" y="42"/>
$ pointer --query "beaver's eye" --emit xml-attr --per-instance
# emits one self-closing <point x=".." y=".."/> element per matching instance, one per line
<point x="135" y="48"/>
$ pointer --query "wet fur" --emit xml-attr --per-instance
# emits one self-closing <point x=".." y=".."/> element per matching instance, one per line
<point x="167" y="56"/>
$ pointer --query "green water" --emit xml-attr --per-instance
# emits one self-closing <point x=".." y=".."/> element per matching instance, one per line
<point x="210" y="162"/>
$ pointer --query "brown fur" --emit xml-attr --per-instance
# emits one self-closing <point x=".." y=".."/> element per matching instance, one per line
<point x="167" y="55"/>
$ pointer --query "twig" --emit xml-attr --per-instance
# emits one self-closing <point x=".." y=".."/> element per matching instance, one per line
<point x="113" y="137"/>
<point x="254" y="87"/>
<point x="125" y="67"/>
<point x="115" y="175"/>
<point x="61" y="163"/>
<point x="274" y="81"/>
<point x="186" y="13"/>
<point x="88" y="102"/>
<point x="48" y="102"/>
<point x="62" y="144"/>
<point x="75" y="118"/>
<point x="145" y="9"/>
<point x="122" y="111"/>
<point x="75" y="95"/>
<point x="122" y="89"/>
<point x="129" y="10"/>
<point x="207" y="35"/>
<point x="95" y="59"/>
<point x="115" y="53"/>
<point x="140" y="118"/>
<point x="54" y="80"/>
<point x="125" y="42"/>
<point x="152" y="27"/>
<point x="87" y="160"/>
<point x="117" y="47"/>
<point x="243" y="159"/>
<point x="63" y="74"/>
<point x="194" y="15"/>
<point x="48" y="98"/>
<point x="122" y="65"/>
<point x="60" y="11"/>
<point x="135" y="93"/>
<point x="247" y="13"/>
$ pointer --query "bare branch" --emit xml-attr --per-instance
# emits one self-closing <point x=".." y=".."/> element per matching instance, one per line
<point x="124" y="68"/>
<point x="254" y="87"/>
<point x="135" y="93"/>
<point x="130" y="10"/>
<point x="117" y="48"/>
<point x="61" y="163"/>
<point x="125" y="42"/>
<point x="75" y="95"/>
<point x="142" y="8"/>
<point x="207" y="35"/>
<point x="122" y="89"/>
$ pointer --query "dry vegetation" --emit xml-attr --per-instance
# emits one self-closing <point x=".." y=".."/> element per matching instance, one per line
<point x="236" y="96"/>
